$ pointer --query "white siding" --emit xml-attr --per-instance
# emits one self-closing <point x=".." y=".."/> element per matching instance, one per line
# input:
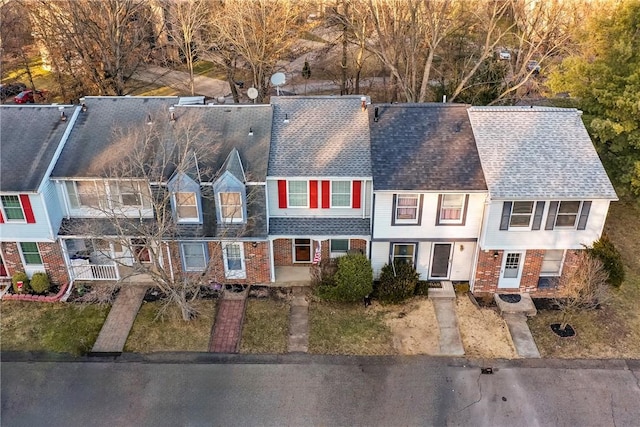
<point x="52" y="203"/>
<point x="462" y="260"/>
<point x="21" y="231"/>
<point x="383" y="215"/>
<point x="275" y="211"/>
<point x="494" y="238"/>
<point x="379" y="256"/>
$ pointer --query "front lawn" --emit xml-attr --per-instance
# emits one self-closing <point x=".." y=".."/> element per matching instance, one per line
<point x="170" y="333"/>
<point x="266" y="327"/>
<point x="348" y="329"/>
<point x="57" y="327"/>
<point x="614" y="330"/>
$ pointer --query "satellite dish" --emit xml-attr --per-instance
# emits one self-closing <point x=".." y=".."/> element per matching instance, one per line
<point x="252" y="93"/>
<point x="278" y="79"/>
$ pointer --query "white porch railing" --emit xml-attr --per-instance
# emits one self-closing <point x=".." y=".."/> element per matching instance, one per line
<point x="94" y="272"/>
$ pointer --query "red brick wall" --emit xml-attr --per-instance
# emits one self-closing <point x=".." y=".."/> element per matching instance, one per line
<point x="358" y="244"/>
<point x="51" y="255"/>
<point x="488" y="273"/>
<point x="282" y="252"/>
<point x="256" y="260"/>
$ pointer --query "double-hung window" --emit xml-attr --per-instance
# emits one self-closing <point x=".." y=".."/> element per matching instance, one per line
<point x="339" y="247"/>
<point x="231" y="207"/>
<point x="568" y="212"/>
<point x="521" y="215"/>
<point x="12" y="208"/>
<point x="340" y="194"/>
<point x="186" y="206"/>
<point x="30" y="253"/>
<point x="403" y="253"/>
<point x="451" y="209"/>
<point x="552" y="262"/>
<point x="130" y="194"/>
<point x="297" y="193"/>
<point x="407" y="208"/>
<point x="194" y="256"/>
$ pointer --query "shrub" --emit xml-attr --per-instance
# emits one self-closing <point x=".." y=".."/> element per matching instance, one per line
<point x="352" y="281"/>
<point x="397" y="282"/>
<point x="39" y="283"/>
<point x="324" y="273"/>
<point x="20" y="276"/>
<point x="604" y="250"/>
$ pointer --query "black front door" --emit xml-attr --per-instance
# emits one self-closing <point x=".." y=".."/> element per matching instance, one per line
<point x="440" y="260"/>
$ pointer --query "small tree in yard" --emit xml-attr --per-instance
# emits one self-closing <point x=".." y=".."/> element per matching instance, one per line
<point x="397" y="282"/>
<point x="352" y="281"/>
<point x="605" y="251"/>
<point x="583" y="288"/>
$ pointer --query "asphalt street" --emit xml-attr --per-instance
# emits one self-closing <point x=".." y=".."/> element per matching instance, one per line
<point x="320" y="391"/>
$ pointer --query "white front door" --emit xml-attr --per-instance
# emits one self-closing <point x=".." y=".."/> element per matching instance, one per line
<point x="511" y="270"/>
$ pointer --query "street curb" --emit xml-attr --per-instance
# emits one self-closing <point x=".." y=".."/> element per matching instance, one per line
<point x="306" y="359"/>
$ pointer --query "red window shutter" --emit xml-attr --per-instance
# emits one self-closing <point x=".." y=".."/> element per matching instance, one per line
<point x="282" y="194"/>
<point x="313" y="194"/>
<point x="356" y="194"/>
<point x="326" y="194"/>
<point x="1" y="218"/>
<point x="26" y="207"/>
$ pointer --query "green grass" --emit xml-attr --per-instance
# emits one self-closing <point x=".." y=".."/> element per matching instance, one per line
<point x="140" y="88"/>
<point x="209" y="69"/>
<point x="57" y="327"/>
<point x="614" y="330"/>
<point x="170" y="332"/>
<point x="266" y="327"/>
<point x="347" y="329"/>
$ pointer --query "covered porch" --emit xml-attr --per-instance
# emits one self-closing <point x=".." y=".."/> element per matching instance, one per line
<point x="288" y="276"/>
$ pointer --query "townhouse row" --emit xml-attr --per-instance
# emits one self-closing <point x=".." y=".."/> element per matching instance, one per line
<point x="501" y="197"/>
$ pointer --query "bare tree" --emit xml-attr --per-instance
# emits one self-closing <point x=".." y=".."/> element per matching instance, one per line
<point x="582" y="288"/>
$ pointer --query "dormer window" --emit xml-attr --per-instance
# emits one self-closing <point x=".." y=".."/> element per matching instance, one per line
<point x="231" y="206"/>
<point x="187" y="206"/>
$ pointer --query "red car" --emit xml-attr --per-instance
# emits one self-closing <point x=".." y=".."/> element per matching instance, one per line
<point x="28" y="96"/>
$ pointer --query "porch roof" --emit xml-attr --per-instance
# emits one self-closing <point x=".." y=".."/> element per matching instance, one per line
<point x="319" y="226"/>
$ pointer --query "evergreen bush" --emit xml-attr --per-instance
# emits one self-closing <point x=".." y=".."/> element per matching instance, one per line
<point x="20" y="276"/>
<point x="604" y="250"/>
<point x="39" y="283"/>
<point x="353" y="280"/>
<point x="397" y="282"/>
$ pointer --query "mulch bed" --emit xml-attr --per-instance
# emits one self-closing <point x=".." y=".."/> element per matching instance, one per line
<point x="563" y="333"/>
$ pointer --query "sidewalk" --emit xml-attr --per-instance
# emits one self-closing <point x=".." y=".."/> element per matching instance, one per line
<point x="116" y="328"/>
<point x="179" y="80"/>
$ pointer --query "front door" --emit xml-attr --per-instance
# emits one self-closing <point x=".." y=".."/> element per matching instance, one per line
<point x="511" y="270"/>
<point x="440" y="260"/>
<point x="301" y="250"/>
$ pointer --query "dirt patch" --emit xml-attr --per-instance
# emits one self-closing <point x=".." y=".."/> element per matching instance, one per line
<point x="414" y="327"/>
<point x="484" y="332"/>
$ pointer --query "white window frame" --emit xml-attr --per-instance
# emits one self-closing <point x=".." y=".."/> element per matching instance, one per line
<point x="136" y="190"/>
<point x="558" y="214"/>
<point x="306" y="194"/>
<point x="234" y="274"/>
<point x="348" y="193"/>
<point x="413" y="255"/>
<point x="555" y="273"/>
<point x="310" y="245"/>
<point x="137" y="248"/>
<point x="336" y="254"/>
<point x="531" y="215"/>
<point x="24" y="258"/>
<point x="398" y="207"/>
<point x="237" y="208"/>
<point x="4" y="264"/>
<point x="443" y="206"/>
<point x="205" y="259"/>
<point x="177" y="205"/>
<point x="4" y="211"/>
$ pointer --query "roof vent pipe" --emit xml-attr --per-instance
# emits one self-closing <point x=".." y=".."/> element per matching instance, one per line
<point x="63" y="117"/>
<point x="444" y="99"/>
<point x="363" y="100"/>
<point x="172" y="114"/>
<point x="375" y="114"/>
<point x="286" y="118"/>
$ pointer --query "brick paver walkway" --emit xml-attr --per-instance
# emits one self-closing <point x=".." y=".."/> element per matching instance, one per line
<point x="227" y="329"/>
<point x="116" y="328"/>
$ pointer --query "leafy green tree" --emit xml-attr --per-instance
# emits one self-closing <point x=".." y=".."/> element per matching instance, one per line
<point x="604" y="77"/>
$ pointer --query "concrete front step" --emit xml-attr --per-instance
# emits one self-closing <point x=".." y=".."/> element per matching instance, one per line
<point x="446" y="292"/>
<point x="524" y="306"/>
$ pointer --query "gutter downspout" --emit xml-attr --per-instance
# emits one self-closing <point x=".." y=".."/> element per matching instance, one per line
<point x="483" y="230"/>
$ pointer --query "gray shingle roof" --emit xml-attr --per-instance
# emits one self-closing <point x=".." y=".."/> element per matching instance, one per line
<point x="319" y="226"/>
<point x="93" y="143"/>
<point x="424" y="147"/>
<point x="29" y="137"/>
<point x="325" y="136"/>
<point x="233" y="165"/>
<point x="538" y="152"/>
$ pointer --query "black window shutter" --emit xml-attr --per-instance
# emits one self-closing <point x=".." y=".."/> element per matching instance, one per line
<point x="584" y="215"/>
<point x="537" y="217"/>
<point x="506" y="213"/>
<point x="551" y="216"/>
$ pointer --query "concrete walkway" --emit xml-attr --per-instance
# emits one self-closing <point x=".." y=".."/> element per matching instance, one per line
<point x="444" y="301"/>
<point x="116" y="328"/>
<point x="227" y="329"/>
<point x="521" y="335"/>
<point x="299" y="321"/>
<point x="179" y="80"/>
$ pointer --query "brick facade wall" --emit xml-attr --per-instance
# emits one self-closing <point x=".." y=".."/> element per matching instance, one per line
<point x="257" y="264"/>
<point x="52" y="259"/>
<point x="488" y="273"/>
